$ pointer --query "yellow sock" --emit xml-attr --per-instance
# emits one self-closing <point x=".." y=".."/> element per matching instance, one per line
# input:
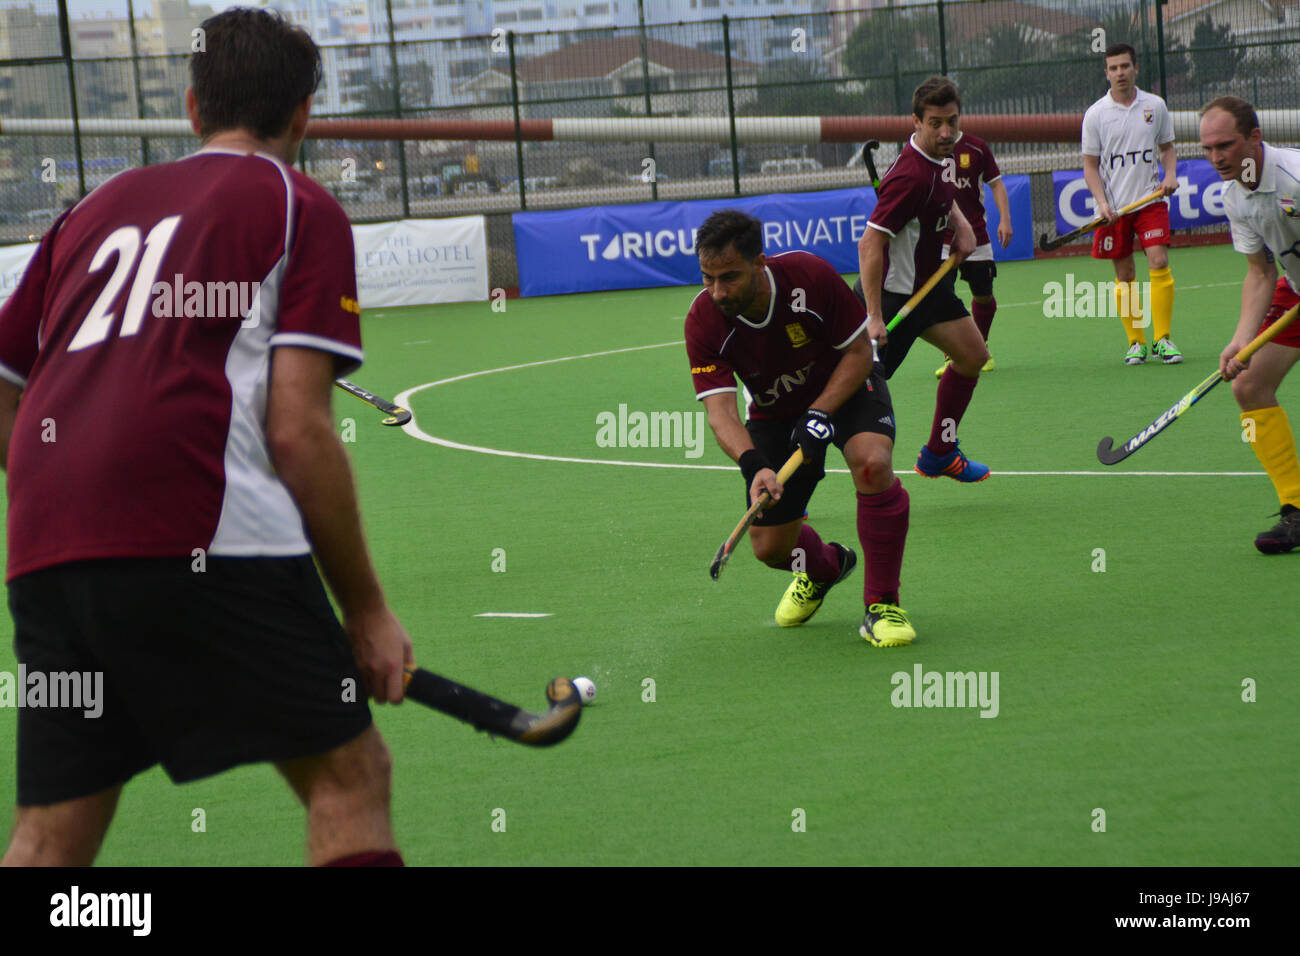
<point x="1274" y="446"/>
<point x="1162" y="303"/>
<point x="1126" y="307"/>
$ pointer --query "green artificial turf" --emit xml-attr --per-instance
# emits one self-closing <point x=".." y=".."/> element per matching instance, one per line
<point x="1119" y="690"/>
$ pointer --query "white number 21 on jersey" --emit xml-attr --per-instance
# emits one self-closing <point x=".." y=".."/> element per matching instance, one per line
<point x="125" y="242"/>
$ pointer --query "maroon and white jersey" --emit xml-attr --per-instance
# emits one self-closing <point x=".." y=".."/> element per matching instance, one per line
<point x="912" y="208"/>
<point x="784" y="360"/>
<point x="141" y="335"/>
<point x="974" y="166"/>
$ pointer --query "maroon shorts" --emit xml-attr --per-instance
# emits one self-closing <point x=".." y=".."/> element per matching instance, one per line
<point x="1150" y="224"/>
<point x="1283" y="298"/>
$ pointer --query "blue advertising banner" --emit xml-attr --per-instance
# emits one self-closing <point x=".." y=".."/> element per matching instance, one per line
<point x="644" y="245"/>
<point x="1198" y="202"/>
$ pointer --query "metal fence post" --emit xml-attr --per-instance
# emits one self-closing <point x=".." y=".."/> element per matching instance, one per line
<point x="731" y="105"/>
<point x="943" y="42"/>
<point x="65" y="40"/>
<point x="645" y="80"/>
<point x="135" y="72"/>
<point x="519" y="133"/>
<point x="397" y="108"/>
<point x="1160" y="44"/>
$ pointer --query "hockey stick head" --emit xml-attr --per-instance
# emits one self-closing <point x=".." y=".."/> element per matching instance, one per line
<point x="400" y="417"/>
<point x="868" y="149"/>
<point x="1047" y="243"/>
<point x="1107" y="454"/>
<point x="719" y="560"/>
<point x="543" y="730"/>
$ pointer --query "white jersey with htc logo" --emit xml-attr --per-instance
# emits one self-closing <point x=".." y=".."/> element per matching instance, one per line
<point x="1127" y="140"/>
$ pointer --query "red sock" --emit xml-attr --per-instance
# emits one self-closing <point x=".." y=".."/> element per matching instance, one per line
<point x="955" y="391"/>
<point x="983" y="314"/>
<point x="370" y="858"/>
<point x="882" y="529"/>
<point x="819" y="560"/>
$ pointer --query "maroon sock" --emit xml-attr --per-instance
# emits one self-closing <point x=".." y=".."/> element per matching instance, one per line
<point x="955" y="391"/>
<point x="882" y="529"/>
<point x="819" y="560"/>
<point x="370" y="858"/>
<point x="983" y="313"/>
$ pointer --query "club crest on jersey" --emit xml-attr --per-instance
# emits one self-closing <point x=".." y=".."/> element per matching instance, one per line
<point x="965" y="160"/>
<point x="1149" y="115"/>
<point x="1288" y="207"/>
<point x="798" y="337"/>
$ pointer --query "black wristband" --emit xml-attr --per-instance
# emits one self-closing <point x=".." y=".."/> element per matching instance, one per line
<point x="751" y="463"/>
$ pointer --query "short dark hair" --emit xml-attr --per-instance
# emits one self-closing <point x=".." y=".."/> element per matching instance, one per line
<point x="730" y="227"/>
<point x="252" y="72"/>
<point x="1115" y="49"/>
<point x="1245" y="115"/>
<point x="936" y="91"/>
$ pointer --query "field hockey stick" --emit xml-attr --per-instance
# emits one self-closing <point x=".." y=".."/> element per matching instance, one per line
<point x="868" y="150"/>
<point x="728" y="546"/>
<point x="397" y="415"/>
<point x="921" y="293"/>
<point x="1047" y="244"/>
<point x="1110" y="455"/>
<point x="498" y="718"/>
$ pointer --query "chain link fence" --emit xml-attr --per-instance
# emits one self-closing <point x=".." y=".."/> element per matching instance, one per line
<point x="128" y="61"/>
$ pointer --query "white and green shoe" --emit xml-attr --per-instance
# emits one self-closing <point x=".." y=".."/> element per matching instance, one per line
<point x="1167" y="352"/>
<point x="1136" y="354"/>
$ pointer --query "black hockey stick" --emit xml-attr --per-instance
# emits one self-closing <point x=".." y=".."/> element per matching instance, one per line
<point x="1109" y="455"/>
<point x="725" y="551"/>
<point x="868" y="149"/>
<point x="397" y="415"/>
<point x="495" y="716"/>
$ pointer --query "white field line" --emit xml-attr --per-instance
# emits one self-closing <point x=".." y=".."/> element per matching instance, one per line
<point x="413" y="429"/>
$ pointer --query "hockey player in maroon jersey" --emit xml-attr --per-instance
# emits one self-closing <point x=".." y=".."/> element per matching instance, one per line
<point x="901" y="248"/>
<point x="792" y="332"/>
<point x="174" y="464"/>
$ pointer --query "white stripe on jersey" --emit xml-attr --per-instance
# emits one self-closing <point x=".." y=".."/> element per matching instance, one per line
<point x="1127" y="140"/>
<point x="258" y="514"/>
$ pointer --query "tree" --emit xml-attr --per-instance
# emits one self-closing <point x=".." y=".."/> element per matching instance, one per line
<point x="799" y="87"/>
<point x="890" y="52"/>
<point x="1214" y="58"/>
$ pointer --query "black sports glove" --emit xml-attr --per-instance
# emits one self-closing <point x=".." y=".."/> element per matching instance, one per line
<point x="751" y="463"/>
<point x="813" y="433"/>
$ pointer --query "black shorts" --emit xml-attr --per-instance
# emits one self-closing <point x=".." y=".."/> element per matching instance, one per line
<point x="868" y="410"/>
<point x="941" y="305"/>
<point x="201" y="670"/>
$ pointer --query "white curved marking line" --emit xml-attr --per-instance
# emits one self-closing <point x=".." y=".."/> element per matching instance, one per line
<point x="411" y="428"/>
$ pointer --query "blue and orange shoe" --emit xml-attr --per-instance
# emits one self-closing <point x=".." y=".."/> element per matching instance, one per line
<point x="954" y="465"/>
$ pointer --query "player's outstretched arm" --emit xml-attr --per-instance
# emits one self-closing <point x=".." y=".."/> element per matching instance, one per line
<point x="1001" y="200"/>
<point x="313" y="465"/>
<point x="734" y="439"/>
<point x="1169" y="162"/>
<point x="1092" y="176"/>
<point x="852" y="370"/>
<point x="963" y="235"/>
<point x="871" y="270"/>
<point x="1256" y="296"/>
<point x="9" y="393"/>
